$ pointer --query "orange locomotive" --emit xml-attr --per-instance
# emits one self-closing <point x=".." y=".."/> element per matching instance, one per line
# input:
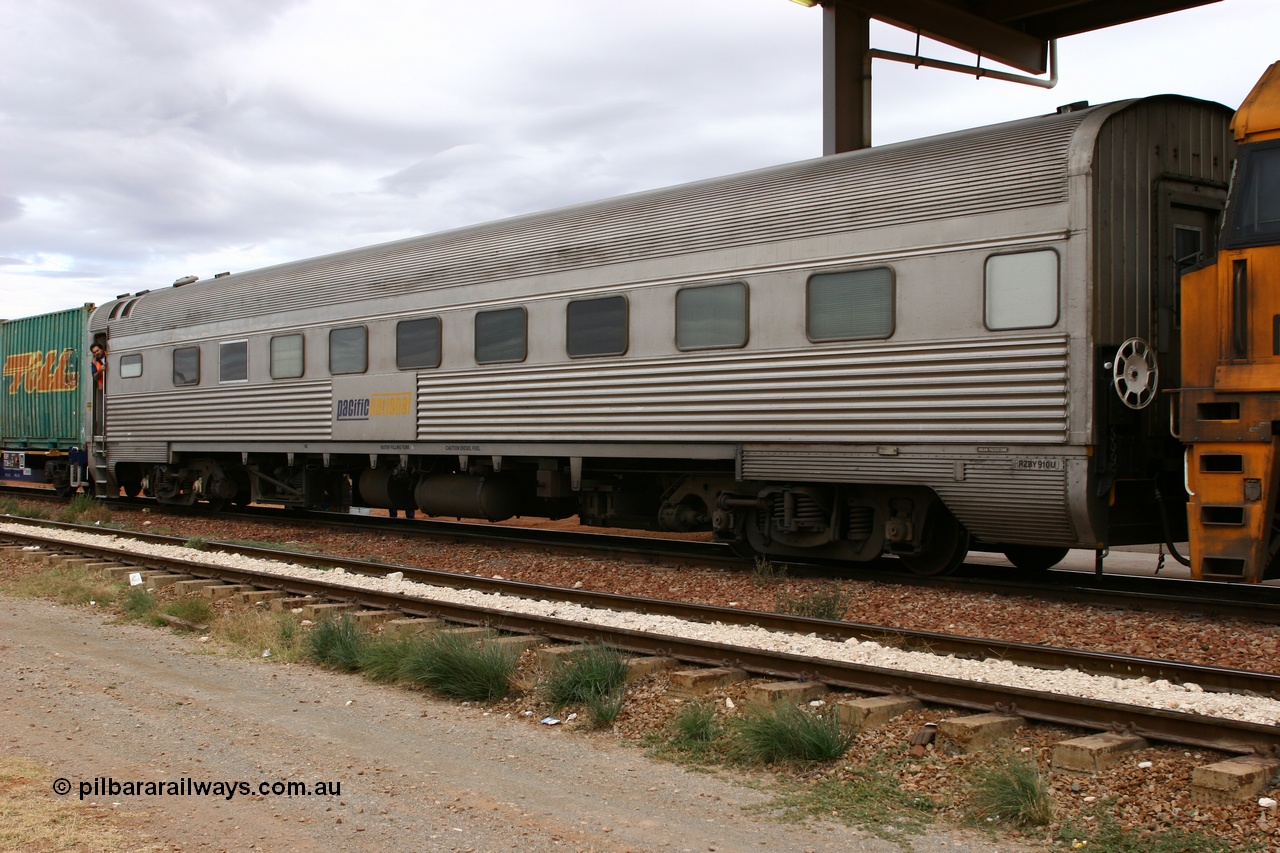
<point x="1229" y="411"/>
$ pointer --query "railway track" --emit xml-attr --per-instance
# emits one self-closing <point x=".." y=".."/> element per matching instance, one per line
<point x="1253" y="602"/>
<point x="1158" y="724"/>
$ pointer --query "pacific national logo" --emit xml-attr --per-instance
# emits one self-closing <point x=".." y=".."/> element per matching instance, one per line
<point x="41" y="372"/>
<point x="373" y="406"/>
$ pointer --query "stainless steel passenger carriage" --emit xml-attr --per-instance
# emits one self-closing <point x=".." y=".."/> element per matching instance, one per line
<point x="908" y="349"/>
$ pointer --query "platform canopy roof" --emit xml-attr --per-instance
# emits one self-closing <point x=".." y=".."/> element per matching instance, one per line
<point x="1015" y="33"/>
<point x="1012" y="32"/>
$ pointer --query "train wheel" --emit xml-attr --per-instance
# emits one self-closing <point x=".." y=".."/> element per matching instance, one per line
<point x="217" y="504"/>
<point x="946" y="543"/>
<point x="1034" y="558"/>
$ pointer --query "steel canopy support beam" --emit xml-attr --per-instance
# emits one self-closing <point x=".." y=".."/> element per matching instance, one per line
<point x="951" y="25"/>
<point x="846" y="79"/>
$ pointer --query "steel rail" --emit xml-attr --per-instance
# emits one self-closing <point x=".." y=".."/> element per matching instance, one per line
<point x="1210" y="678"/>
<point x="1156" y="724"/>
<point x="1147" y="594"/>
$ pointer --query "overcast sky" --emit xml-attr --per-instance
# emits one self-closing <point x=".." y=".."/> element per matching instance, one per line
<point x="144" y="140"/>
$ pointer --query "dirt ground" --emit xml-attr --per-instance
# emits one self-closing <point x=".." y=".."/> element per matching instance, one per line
<point x="86" y="699"/>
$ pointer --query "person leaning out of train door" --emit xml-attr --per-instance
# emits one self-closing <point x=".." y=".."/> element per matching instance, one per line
<point x="98" y="361"/>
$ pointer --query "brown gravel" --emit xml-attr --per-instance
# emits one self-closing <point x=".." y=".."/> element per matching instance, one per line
<point x="1150" y="799"/>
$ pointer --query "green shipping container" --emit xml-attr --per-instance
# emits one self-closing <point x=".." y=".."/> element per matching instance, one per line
<point x="47" y="381"/>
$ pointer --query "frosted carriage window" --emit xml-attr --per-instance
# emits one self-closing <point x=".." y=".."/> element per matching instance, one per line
<point x="186" y="366"/>
<point x="348" y="350"/>
<point x="418" y="343"/>
<point x="847" y="306"/>
<point x="130" y="366"/>
<point x="712" y="317"/>
<point x="501" y="336"/>
<point x="1022" y="290"/>
<point x="286" y="356"/>
<point x="596" y="327"/>
<point x="233" y="361"/>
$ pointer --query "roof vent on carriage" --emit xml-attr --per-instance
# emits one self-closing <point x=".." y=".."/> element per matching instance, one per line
<point x="186" y="279"/>
<point x="1073" y="107"/>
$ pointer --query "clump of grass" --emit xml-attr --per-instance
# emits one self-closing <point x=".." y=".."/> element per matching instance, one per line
<point x="253" y="632"/>
<point x="383" y="657"/>
<point x="1105" y="835"/>
<point x="197" y="611"/>
<point x="9" y="506"/>
<point x="337" y="643"/>
<point x="68" y="585"/>
<point x="1013" y="790"/>
<point x="140" y="605"/>
<point x="788" y="733"/>
<point x="596" y="672"/>
<point x="765" y="572"/>
<point x="83" y="509"/>
<point x="696" y="725"/>
<point x="196" y="543"/>
<point x="868" y="797"/>
<point x="603" y="711"/>
<point x="456" y="665"/>
<point x="829" y="604"/>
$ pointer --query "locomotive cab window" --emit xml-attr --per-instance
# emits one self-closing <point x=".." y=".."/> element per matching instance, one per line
<point x="1254" y="211"/>
<point x="186" y="366"/>
<point x="596" y="327"/>
<point x="851" y="305"/>
<point x="712" y="316"/>
<point x="1022" y="290"/>
<point x="286" y="356"/>
<point x="130" y="366"/>
<point x="348" y="350"/>
<point x="233" y="361"/>
<point x="501" y="335"/>
<point x="418" y="343"/>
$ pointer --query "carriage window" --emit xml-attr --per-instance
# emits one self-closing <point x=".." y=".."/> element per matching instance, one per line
<point x="286" y="356"/>
<point x="1022" y="290"/>
<point x="597" y="327"/>
<point x="349" y="350"/>
<point x="130" y="366"/>
<point x="852" y="305"/>
<point x="233" y="361"/>
<point x="712" y="317"/>
<point x="418" y="343"/>
<point x="186" y="366"/>
<point x="501" y="336"/>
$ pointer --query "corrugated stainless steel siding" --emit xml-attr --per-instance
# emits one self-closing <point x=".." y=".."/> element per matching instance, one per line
<point x="137" y="451"/>
<point x="1157" y="139"/>
<point x="1006" y="167"/>
<point x="46" y="379"/>
<point x="997" y="390"/>
<point x="298" y="412"/>
<point x="993" y="500"/>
